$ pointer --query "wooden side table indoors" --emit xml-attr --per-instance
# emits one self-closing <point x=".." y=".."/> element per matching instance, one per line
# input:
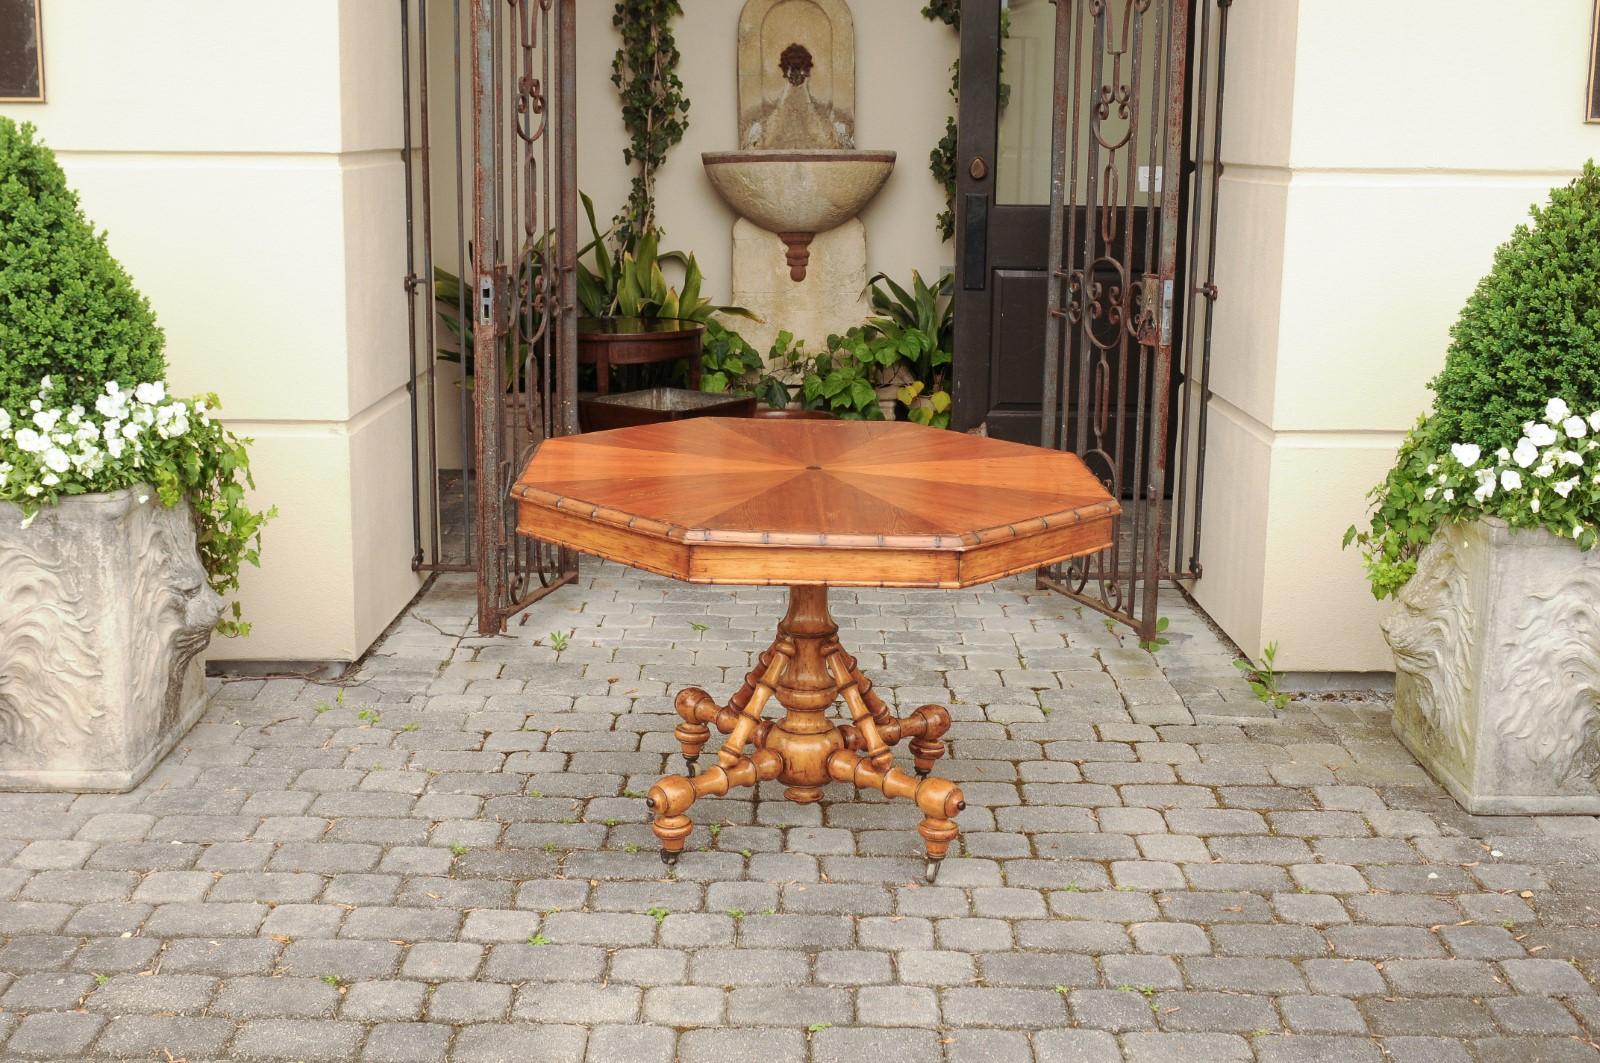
<point x="811" y="504"/>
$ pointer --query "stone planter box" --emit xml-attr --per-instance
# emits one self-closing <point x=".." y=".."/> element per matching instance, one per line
<point x="1497" y="661"/>
<point x="104" y="612"/>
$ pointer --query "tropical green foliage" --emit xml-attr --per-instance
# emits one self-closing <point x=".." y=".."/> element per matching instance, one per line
<point x="916" y="326"/>
<point x="68" y="310"/>
<point x="840" y="379"/>
<point x="655" y="110"/>
<point x="1516" y="413"/>
<point x="730" y="364"/>
<point x="629" y="281"/>
<point x="1532" y="328"/>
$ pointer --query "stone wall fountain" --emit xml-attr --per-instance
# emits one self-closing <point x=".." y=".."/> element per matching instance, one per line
<point x="798" y="181"/>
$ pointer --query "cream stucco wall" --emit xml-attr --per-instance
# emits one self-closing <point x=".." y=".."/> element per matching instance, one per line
<point x="1376" y="155"/>
<point x="244" y="159"/>
<point x="902" y="82"/>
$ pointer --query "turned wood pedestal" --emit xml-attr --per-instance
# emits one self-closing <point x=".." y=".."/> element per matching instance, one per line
<point x="811" y="504"/>
<point x="807" y="671"/>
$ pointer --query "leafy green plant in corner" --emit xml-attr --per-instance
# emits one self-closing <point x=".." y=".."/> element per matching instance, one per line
<point x="730" y="364"/>
<point x="1264" y="678"/>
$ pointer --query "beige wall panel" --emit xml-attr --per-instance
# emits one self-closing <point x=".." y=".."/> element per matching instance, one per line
<point x="369" y="74"/>
<point x="299" y="601"/>
<point x="1245" y="342"/>
<point x="375" y="268"/>
<point x="190" y="76"/>
<point x="1262" y="38"/>
<point x="380" y="509"/>
<point x="1316" y="602"/>
<point x="1442" y="84"/>
<point x="1376" y="270"/>
<point x="1233" y="547"/>
<point x="235" y="255"/>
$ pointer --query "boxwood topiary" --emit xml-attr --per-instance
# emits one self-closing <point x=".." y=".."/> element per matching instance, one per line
<point x="68" y="310"/>
<point x="1532" y="328"/>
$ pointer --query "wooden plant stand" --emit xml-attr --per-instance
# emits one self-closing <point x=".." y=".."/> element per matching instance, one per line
<point x="807" y="671"/>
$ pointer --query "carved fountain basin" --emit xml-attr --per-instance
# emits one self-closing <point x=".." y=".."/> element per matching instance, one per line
<point x="798" y="190"/>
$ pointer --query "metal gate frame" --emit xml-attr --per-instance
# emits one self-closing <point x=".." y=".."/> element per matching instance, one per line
<point x="517" y="297"/>
<point x="1109" y="335"/>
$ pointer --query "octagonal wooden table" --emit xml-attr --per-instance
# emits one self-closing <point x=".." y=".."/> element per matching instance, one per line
<point x="811" y="504"/>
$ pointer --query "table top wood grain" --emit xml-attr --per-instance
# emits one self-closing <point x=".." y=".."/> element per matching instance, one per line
<point x="813" y="502"/>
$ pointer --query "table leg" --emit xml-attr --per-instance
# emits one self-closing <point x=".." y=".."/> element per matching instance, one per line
<point x="807" y="671"/>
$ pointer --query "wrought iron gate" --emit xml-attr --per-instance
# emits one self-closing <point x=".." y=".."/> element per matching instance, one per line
<point x="505" y="316"/>
<point x="1135" y="171"/>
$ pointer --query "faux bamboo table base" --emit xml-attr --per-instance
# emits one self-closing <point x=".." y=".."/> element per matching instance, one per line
<point x="811" y="504"/>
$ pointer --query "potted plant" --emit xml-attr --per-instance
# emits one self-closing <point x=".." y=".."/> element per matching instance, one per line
<point x="123" y="519"/>
<point x="1485" y="527"/>
<point x="912" y="336"/>
<point x="631" y="315"/>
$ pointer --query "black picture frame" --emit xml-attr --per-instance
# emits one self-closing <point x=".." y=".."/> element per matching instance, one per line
<point x="1592" y="108"/>
<point x="21" y="52"/>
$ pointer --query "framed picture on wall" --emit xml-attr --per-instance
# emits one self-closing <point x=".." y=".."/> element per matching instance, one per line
<point x="1592" y="112"/>
<point x="21" y="52"/>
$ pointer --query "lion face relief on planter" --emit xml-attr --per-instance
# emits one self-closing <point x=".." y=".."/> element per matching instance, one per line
<point x="104" y="611"/>
<point x="1497" y="668"/>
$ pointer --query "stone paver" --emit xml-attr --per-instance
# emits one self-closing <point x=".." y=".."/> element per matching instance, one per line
<point x="445" y="857"/>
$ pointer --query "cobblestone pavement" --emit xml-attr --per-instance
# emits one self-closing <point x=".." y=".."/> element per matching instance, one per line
<point x="448" y="858"/>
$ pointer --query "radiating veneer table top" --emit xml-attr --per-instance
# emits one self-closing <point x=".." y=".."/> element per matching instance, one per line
<point x="815" y="502"/>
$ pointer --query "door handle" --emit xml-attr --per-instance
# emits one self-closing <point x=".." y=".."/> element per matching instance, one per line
<point x="974" y="241"/>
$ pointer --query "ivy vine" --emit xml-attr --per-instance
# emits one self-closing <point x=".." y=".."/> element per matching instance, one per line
<point x="942" y="159"/>
<point x="655" y="110"/>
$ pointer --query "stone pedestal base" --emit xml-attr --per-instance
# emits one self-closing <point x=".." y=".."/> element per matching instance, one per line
<point x="104" y="612"/>
<point x="1497" y="662"/>
<point x="828" y="301"/>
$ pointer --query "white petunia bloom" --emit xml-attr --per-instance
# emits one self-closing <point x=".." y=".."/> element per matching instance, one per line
<point x="1449" y="494"/>
<point x="1570" y="457"/>
<point x="1534" y="504"/>
<point x="1542" y="435"/>
<point x="1485" y="489"/>
<point x="1575" y="427"/>
<point x="1526" y="453"/>
<point x="1433" y="467"/>
<point x="1503" y="454"/>
<point x="30" y="441"/>
<point x="1466" y="453"/>
<point x="115" y="446"/>
<point x="1510" y="479"/>
<point x="46" y="419"/>
<point x="1594" y="421"/>
<point x="56" y="459"/>
<point x="5" y="421"/>
<point x="1564" y="487"/>
<point x="49" y="479"/>
<point x="1429" y="492"/>
<point x="46" y="384"/>
<point x="151" y="393"/>
<point x="1556" y="410"/>
<point x="1544" y="470"/>
<point x="130" y="432"/>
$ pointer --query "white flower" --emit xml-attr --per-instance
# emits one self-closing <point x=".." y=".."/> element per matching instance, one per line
<point x="30" y="441"/>
<point x="1544" y="470"/>
<point x="1556" y="410"/>
<point x="1570" y="457"/>
<point x="1564" y="487"/>
<point x="32" y="491"/>
<point x="1526" y="453"/>
<point x="1503" y="455"/>
<point x="49" y="479"/>
<point x="112" y="405"/>
<point x="46" y="419"/>
<point x="1466" y="453"/>
<point x="151" y="393"/>
<point x="1449" y="494"/>
<point x="1510" y="479"/>
<point x="5" y="421"/>
<point x="1433" y="467"/>
<point x="114" y="446"/>
<point x="1575" y="427"/>
<point x="143" y="499"/>
<point x="35" y="405"/>
<point x="1594" y="421"/>
<point x="46" y="384"/>
<point x="1429" y="492"/>
<point x="1542" y="435"/>
<point x="130" y="432"/>
<point x="1485" y="489"/>
<point x="1534" y="504"/>
<point x="57" y="459"/>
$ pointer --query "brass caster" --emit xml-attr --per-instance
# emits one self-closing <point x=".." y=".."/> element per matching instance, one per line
<point x="669" y="858"/>
<point x="689" y="768"/>
<point x="931" y="872"/>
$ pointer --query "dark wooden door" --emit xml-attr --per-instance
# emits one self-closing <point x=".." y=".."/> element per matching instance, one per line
<point x="1009" y="101"/>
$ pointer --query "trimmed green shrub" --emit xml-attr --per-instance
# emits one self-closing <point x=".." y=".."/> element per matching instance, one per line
<point x="1532" y="328"/>
<point x="68" y="310"/>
